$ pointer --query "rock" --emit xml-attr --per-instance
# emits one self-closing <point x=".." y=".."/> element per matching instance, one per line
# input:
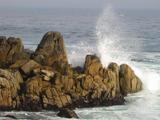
<point x="98" y="84"/>
<point x="51" y="50"/>
<point x="18" y="64"/>
<point x="46" y="94"/>
<point x="129" y="82"/>
<point x="56" y="98"/>
<point x="33" y="90"/>
<point x="115" y="70"/>
<point x="92" y="65"/>
<point x="47" y="73"/>
<point x="67" y="113"/>
<point x="64" y="82"/>
<point x="9" y="87"/>
<point x="9" y="48"/>
<point x="10" y="116"/>
<point x="30" y="66"/>
<point x="48" y="81"/>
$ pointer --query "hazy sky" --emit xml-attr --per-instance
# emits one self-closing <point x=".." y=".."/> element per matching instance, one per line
<point x="133" y="4"/>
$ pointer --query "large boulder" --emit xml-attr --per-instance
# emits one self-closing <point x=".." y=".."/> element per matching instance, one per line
<point x="9" y="88"/>
<point x="129" y="82"/>
<point x="9" y="48"/>
<point x="51" y="50"/>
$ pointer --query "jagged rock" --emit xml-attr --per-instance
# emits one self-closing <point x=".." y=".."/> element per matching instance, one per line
<point x="9" y="86"/>
<point x="9" y="48"/>
<point x="67" y="113"/>
<point x="56" y="98"/>
<point x="92" y="65"/>
<point x="51" y="50"/>
<point x="43" y="91"/>
<point x="64" y="82"/>
<point x="129" y="82"/>
<point x="98" y="84"/>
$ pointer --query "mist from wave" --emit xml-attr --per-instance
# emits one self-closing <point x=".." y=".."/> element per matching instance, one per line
<point x="114" y="45"/>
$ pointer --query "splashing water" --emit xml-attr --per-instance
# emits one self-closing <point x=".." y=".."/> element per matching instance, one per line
<point x="115" y="46"/>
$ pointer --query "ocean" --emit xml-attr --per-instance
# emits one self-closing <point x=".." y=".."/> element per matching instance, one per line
<point x="122" y="36"/>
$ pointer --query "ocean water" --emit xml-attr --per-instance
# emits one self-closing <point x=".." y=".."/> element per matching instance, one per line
<point x="122" y="36"/>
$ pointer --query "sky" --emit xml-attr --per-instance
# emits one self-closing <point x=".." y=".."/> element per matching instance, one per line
<point x="129" y="4"/>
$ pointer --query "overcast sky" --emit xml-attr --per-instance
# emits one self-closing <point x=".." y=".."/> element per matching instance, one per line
<point x="132" y="4"/>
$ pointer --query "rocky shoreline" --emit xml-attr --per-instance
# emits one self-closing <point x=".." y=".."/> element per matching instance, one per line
<point x="44" y="79"/>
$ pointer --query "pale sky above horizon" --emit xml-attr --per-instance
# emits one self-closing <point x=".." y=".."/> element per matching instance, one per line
<point x="132" y="4"/>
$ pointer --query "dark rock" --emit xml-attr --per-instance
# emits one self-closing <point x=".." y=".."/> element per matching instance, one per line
<point x="67" y="113"/>
<point x="10" y="116"/>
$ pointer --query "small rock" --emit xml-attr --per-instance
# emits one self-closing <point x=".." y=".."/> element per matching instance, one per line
<point x="67" y="113"/>
<point x="10" y="116"/>
<point x="46" y="78"/>
<point x="48" y="73"/>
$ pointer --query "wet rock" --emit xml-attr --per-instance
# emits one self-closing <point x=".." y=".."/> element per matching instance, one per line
<point x="129" y="82"/>
<point x="67" y="113"/>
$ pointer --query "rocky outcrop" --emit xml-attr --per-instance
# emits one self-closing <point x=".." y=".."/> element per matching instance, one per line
<point x="45" y="80"/>
<point x="129" y="82"/>
<point x="51" y="50"/>
<point x="97" y="85"/>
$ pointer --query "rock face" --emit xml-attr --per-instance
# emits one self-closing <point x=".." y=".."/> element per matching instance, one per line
<point x="129" y="82"/>
<point x="51" y="50"/>
<point x="97" y="85"/>
<point x="9" y="87"/>
<point x="45" y="80"/>
<point x="9" y="48"/>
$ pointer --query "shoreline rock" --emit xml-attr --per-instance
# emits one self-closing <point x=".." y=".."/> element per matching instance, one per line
<point x="45" y="80"/>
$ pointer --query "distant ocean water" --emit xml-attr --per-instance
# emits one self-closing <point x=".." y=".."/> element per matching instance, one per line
<point x="122" y="36"/>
